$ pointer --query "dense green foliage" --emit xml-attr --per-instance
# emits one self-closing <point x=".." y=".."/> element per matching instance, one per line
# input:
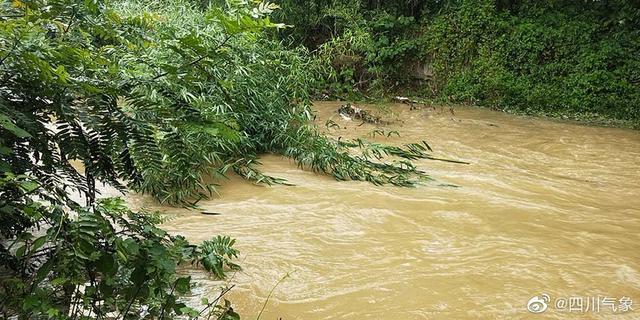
<point x="570" y="59"/>
<point x="106" y="261"/>
<point x="65" y="66"/>
<point x="62" y="74"/>
<point x="162" y="97"/>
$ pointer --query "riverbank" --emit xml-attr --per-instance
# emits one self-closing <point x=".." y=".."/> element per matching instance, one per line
<point x="586" y="119"/>
<point x="561" y="59"/>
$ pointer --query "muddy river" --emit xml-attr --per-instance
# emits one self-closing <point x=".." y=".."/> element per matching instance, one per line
<point x="543" y="208"/>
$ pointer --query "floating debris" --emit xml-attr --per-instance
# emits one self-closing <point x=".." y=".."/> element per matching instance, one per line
<point x="348" y="112"/>
<point x="344" y="116"/>
<point x="413" y="104"/>
<point x="210" y="213"/>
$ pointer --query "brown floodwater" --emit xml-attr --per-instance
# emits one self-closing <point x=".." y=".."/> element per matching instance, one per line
<point x="543" y="207"/>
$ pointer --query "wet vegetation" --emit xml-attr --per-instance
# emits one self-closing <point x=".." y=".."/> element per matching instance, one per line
<point x="169" y="97"/>
<point x="160" y="97"/>
<point x="566" y="59"/>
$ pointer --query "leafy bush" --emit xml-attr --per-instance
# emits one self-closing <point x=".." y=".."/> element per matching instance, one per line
<point x="370" y="56"/>
<point x="217" y="254"/>
<point x="106" y="262"/>
<point x="162" y="97"/>
<point x="159" y="95"/>
<point x="561" y="58"/>
<point x="550" y="61"/>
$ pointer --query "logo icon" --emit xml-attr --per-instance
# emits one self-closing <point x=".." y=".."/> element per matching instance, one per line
<point x="538" y="304"/>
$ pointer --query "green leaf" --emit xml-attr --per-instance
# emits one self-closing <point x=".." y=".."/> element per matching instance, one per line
<point x="58" y="281"/>
<point x="28" y="185"/>
<point x="30" y="302"/>
<point x="39" y="243"/>
<point x="53" y="313"/>
<point x="139" y="275"/>
<point x="230" y="315"/>
<point x="44" y="270"/>
<point x="182" y="285"/>
<point x="189" y="311"/>
<point x="20" y="252"/>
<point x="107" y="264"/>
<point x="8" y="125"/>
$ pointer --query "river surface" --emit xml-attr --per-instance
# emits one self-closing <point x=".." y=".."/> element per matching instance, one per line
<point x="543" y="207"/>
